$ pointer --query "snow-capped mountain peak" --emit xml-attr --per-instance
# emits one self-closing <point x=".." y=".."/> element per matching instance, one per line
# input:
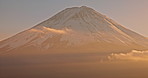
<point x="81" y="28"/>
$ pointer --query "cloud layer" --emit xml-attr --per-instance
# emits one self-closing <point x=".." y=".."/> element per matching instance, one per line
<point x="130" y="56"/>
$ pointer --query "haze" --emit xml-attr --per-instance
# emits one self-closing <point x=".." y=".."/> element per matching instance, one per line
<point x="71" y="65"/>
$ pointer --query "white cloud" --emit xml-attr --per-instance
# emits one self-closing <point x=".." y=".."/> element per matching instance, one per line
<point x="130" y="56"/>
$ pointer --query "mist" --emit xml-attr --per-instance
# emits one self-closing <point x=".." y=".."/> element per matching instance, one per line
<point x="82" y="65"/>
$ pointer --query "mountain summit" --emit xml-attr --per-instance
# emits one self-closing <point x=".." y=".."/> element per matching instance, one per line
<point x="76" y="29"/>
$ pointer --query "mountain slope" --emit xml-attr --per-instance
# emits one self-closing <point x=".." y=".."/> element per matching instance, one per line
<point x="76" y="29"/>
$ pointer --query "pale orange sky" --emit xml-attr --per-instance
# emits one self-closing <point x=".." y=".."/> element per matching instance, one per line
<point x="17" y="16"/>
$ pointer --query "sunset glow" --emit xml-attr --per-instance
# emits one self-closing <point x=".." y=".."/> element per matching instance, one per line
<point x="73" y="39"/>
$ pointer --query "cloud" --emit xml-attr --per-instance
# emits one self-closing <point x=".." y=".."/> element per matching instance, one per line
<point x="51" y="30"/>
<point x="55" y="30"/>
<point x="134" y="55"/>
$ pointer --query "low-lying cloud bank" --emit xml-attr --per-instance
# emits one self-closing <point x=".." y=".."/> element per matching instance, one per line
<point x="134" y="55"/>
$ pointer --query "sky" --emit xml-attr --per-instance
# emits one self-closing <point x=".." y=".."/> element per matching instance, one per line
<point x="19" y="15"/>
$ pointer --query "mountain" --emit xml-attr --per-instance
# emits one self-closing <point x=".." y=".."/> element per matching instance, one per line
<point x="76" y="29"/>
